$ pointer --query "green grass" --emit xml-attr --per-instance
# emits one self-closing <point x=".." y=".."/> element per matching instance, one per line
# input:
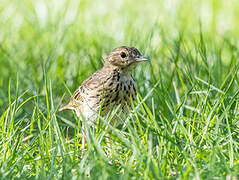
<point x="185" y="123"/>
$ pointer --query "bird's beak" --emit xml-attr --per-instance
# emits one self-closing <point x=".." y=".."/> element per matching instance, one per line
<point x="141" y="58"/>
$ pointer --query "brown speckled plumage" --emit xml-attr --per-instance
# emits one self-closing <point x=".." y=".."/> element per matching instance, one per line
<point x="109" y="87"/>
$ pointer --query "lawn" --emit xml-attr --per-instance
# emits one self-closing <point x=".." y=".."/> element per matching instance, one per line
<point x="185" y="121"/>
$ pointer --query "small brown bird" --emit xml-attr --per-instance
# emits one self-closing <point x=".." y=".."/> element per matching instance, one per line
<point x="109" y="87"/>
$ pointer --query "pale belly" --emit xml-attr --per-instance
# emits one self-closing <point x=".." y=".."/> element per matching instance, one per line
<point x="119" y="97"/>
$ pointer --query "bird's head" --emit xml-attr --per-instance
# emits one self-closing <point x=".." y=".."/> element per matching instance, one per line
<point x="125" y="57"/>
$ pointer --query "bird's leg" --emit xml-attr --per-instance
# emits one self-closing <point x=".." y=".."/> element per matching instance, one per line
<point x="83" y="141"/>
<point x="67" y="133"/>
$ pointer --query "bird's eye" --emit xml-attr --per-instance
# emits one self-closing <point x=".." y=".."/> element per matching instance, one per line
<point x="123" y="55"/>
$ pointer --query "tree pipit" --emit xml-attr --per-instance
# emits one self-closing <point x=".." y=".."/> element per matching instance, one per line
<point x="110" y="87"/>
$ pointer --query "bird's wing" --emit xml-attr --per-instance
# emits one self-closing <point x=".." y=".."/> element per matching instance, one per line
<point x="95" y="81"/>
<point x="75" y="99"/>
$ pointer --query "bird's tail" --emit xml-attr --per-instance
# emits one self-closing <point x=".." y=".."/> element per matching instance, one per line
<point x="66" y="107"/>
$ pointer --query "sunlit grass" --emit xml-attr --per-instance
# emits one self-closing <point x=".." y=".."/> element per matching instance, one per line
<point x="184" y="123"/>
